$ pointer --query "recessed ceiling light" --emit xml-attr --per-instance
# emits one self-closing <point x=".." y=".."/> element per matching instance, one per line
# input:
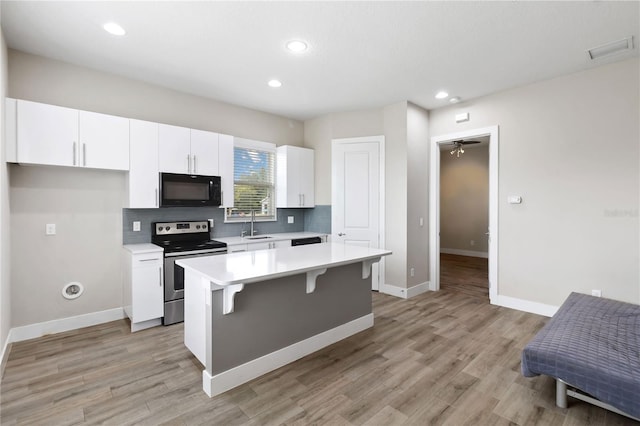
<point x="441" y="95"/>
<point x="113" y="28"/>
<point x="274" y="83"/>
<point x="297" y="46"/>
<point x="455" y="99"/>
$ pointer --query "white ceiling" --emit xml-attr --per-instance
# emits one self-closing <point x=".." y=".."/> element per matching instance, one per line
<point x="363" y="54"/>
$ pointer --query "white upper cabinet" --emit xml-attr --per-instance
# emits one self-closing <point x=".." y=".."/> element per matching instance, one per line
<point x="183" y="150"/>
<point x="174" y="149"/>
<point x="104" y="141"/>
<point x="47" y="134"/>
<point x="226" y="169"/>
<point x="204" y="153"/>
<point x="295" y="177"/>
<point x="143" y="174"/>
<point x="53" y="135"/>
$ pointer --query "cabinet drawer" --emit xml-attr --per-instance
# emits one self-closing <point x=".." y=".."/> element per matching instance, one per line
<point x="142" y="260"/>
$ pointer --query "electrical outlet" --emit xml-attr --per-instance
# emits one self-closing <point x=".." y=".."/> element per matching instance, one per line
<point x="136" y="226"/>
<point x="290" y="219"/>
<point x="472" y="242"/>
<point x="413" y="272"/>
<point x="596" y="293"/>
<point x="421" y="221"/>
<point x="50" y="229"/>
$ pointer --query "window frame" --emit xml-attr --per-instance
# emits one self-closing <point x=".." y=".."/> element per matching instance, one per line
<point x="258" y="146"/>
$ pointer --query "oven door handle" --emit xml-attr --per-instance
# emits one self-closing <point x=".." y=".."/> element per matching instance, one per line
<point x="195" y="252"/>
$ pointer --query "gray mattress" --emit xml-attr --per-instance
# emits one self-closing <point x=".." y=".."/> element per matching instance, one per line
<point x="592" y="344"/>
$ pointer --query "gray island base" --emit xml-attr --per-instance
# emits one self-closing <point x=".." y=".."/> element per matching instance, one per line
<point x="252" y="312"/>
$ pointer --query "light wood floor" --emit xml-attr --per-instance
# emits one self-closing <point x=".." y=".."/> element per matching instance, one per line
<point x="465" y="274"/>
<point x="438" y="358"/>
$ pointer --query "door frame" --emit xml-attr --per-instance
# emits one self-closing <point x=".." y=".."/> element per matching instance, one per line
<point x="434" y="205"/>
<point x="381" y="205"/>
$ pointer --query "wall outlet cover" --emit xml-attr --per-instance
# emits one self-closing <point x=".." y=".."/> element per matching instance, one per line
<point x="290" y="219"/>
<point x="50" y="229"/>
<point x="136" y="226"/>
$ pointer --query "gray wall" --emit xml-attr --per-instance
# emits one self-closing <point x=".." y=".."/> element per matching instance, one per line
<point x="464" y="199"/>
<point x="570" y="147"/>
<point x="86" y="204"/>
<point x="5" y="252"/>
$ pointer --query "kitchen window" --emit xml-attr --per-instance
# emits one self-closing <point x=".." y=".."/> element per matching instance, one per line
<point x="253" y="181"/>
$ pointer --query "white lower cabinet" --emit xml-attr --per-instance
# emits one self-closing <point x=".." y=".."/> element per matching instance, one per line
<point x="143" y="289"/>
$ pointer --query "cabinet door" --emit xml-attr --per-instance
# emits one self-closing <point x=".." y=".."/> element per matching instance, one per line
<point x="204" y="153"/>
<point x="104" y="141"/>
<point x="147" y="297"/>
<point x="258" y="246"/>
<point x="174" y="152"/>
<point x="47" y="134"/>
<point x="143" y="165"/>
<point x="280" y="244"/>
<point x="225" y="161"/>
<point x="305" y="177"/>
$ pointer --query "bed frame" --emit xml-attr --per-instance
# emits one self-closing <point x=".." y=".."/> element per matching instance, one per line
<point x="563" y="390"/>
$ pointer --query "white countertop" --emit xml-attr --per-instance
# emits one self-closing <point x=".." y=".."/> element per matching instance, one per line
<point x="143" y="248"/>
<point x="262" y="265"/>
<point x="231" y="241"/>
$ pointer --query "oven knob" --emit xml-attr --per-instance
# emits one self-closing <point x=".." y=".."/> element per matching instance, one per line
<point x="167" y="228"/>
<point x="160" y="229"/>
<point x="197" y="226"/>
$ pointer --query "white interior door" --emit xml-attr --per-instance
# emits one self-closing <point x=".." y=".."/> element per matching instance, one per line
<point x="356" y="194"/>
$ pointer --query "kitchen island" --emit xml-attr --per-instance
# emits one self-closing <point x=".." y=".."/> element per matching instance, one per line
<point x="249" y="313"/>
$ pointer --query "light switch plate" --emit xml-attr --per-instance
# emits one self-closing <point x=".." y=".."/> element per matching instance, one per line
<point x="514" y="199"/>
<point x="136" y="226"/>
<point x="50" y="229"/>
<point x="290" y="219"/>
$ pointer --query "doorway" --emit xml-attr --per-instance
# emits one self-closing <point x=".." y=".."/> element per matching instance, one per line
<point x="357" y="196"/>
<point x="491" y="133"/>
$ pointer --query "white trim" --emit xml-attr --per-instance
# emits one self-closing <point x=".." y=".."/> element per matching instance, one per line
<point x="380" y="139"/>
<point x="525" y="305"/>
<point x="40" y="329"/>
<point x="470" y="253"/>
<point x="434" y="205"/>
<point x="4" y="356"/>
<point x="253" y="144"/>
<point x="405" y="293"/>
<point x="222" y="382"/>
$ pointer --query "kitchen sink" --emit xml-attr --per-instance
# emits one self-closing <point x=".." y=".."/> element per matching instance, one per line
<point x="262" y="237"/>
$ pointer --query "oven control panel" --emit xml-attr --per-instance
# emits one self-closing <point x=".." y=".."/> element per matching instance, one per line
<point x="173" y="228"/>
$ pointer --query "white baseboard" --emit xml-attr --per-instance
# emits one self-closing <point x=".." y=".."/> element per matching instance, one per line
<point x="405" y="293"/>
<point x="525" y="305"/>
<point x="32" y="331"/>
<point x="470" y="253"/>
<point x="222" y="382"/>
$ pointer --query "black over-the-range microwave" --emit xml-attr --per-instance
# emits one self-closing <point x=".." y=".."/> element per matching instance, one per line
<point x="183" y="190"/>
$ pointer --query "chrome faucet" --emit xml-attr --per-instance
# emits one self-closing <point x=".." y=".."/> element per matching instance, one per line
<point x="253" y="219"/>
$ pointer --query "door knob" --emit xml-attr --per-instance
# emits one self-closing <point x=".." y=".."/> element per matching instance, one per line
<point x="340" y="234"/>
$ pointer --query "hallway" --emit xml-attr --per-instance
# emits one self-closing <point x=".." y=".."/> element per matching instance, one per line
<point x="465" y="274"/>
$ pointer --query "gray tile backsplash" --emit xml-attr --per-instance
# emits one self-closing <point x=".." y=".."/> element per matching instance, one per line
<point x="313" y="220"/>
<point x="318" y="219"/>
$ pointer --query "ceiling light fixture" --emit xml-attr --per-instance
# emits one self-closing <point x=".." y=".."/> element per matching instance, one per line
<point x="297" y="46"/>
<point x="455" y="99"/>
<point x="274" y="83"/>
<point x="114" y="29"/>
<point x="442" y="95"/>
<point x="611" y="48"/>
<point x="457" y="146"/>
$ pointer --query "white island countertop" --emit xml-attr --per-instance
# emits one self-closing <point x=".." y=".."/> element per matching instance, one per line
<point x="262" y="265"/>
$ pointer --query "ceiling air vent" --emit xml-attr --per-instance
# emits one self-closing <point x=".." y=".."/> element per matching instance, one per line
<point x="611" y="48"/>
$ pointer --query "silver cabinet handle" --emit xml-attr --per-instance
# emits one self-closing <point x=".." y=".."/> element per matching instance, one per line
<point x="156" y="197"/>
<point x="188" y="164"/>
<point x="195" y="166"/>
<point x="73" y="152"/>
<point x="148" y="260"/>
<point x="303" y="204"/>
<point x="340" y="234"/>
<point x="84" y="154"/>
<point x="160" y="276"/>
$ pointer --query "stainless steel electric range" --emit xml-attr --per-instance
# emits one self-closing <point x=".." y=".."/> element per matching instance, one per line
<point x="181" y="240"/>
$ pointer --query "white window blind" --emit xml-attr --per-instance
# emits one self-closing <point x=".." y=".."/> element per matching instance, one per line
<point x="254" y="181"/>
